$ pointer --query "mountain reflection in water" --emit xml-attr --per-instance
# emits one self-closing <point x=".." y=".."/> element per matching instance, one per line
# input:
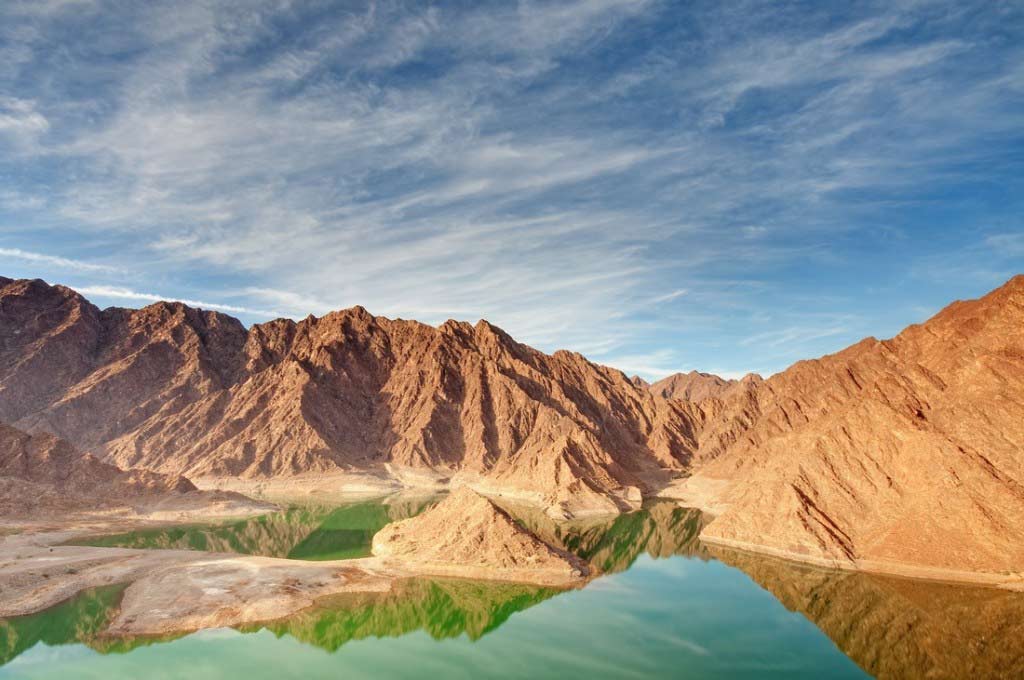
<point x="301" y="532"/>
<point x="890" y="627"/>
<point x="897" y="627"/>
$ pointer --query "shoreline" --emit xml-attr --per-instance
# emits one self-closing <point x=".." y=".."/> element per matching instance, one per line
<point x="899" y="569"/>
<point x="343" y="486"/>
<point x="180" y="591"/>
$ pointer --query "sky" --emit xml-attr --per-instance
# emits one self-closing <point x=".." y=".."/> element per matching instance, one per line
<point x="662" y="186"/>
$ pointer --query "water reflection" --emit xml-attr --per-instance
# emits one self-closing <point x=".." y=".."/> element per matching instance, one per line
<point x="661" y="529"/>
<point x="443" y="608"/>
<point x="305" y="532"/>
<point x="891" y="628"/>
<point x="81" y="619"/>
<point x="899" y="628"/>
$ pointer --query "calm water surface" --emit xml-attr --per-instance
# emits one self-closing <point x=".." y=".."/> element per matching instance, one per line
<point x="670" y="607"/>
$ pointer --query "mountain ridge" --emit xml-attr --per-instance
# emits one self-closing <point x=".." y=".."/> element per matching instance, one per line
<point x="899" y="455"/>
<point x="873" y="457"/>
<point x="183" y="391"/>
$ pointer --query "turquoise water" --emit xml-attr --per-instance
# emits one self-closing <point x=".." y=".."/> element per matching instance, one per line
<point x="668" y="607"/>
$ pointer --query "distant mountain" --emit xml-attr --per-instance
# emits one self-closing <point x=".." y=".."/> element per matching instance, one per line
<point x="183" y="391"/>
<point x="697" y="386"/>
<point x="903" y="455"/>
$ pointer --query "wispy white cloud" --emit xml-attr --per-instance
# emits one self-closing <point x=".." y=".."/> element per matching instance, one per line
<point x="668" y="297"/>
<point x="54" y="261"/>
<point x="563" y="169"/>
<point x="128" y="294"/>
<point x="1010" y="244"/>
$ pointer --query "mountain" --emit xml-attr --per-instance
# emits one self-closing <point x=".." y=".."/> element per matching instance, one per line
<point x="640" y="382"/>
<point x="896" y="455"/>
<point x="696" y="386"/>
<point x="902" y="455"/>
<point x="42" y="472"/>
<point x="184" y="391"/>
<point x="692" y="386"/>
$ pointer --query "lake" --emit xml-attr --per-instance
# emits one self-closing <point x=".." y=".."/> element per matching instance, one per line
<point x="668" y="607"/>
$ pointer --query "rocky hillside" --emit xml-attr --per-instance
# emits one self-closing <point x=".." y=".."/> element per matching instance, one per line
<point x="697" y="386"/>
<point x="901" y="454"/>
<point x="182" y="391"/>
<point x="904" y="454"/>
<point x="468" y="535"/>
<point x="41" y="472"/>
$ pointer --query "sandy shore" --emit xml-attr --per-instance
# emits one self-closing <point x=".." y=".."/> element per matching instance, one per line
<point x="337" y="487"/>
<point x="913" y="571"/>
<point x="177" y="591"/>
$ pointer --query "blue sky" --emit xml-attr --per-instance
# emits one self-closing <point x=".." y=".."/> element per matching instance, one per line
<point x="661" y="186"/>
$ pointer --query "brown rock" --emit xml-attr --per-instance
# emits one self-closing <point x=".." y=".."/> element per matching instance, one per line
<point x="43" y="477"/>
<point x="182" y="391"/>
<point x="36" y="470"/>
<point x="900" y="455"/>
<point x="692" y="386"/>
<point x="467" y="535"/>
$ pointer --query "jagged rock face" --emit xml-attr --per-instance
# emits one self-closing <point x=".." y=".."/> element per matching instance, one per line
<point x="466" y="534"/>
<point x="41" y="471"/>
<point x="177" y="390"/>
<point x="907" y="451"/>
<point x="692" y="386"/>
<point x="640" y="382"/>
<point x="88" y="375"/>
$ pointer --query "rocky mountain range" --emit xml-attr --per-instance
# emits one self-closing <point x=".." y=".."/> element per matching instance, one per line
<point x="182" y="391"/>
<point x="900" y="454"/>
<point x="42" y="475"/>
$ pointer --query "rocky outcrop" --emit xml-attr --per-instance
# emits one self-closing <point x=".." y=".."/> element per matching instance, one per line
<point x="182" y="391"/>
<point x="41" y="470"/>
<point x="468" y="535"/>
<point x="899" y="455"/>
<point x="697" y="386"/>
<point x="42" y="475"/>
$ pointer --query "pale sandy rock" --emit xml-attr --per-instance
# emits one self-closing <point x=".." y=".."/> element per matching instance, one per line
<point x="468" y="535"/>
<point x="226" y="591"/>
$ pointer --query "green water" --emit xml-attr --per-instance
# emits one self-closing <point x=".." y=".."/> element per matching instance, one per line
<point x="669" y="607"/>
<point x="304" y="532"/>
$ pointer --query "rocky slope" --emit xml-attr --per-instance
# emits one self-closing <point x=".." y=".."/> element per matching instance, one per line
<point x="468" y="535"/>
<point x="41" y="471"/>
<point x="41" y="474"/>
<point x="902" y="455"/>
<point x="692" y="386"/>
<point x="182" y="391"/>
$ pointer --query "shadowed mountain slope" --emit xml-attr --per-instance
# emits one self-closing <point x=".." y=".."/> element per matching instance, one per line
<point x="178" y="390"/>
